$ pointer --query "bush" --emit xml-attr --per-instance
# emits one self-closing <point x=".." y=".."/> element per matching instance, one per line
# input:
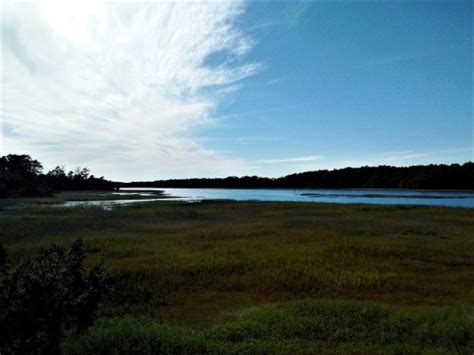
<point x="46" y="296"/>
<point x="4" y="261"/>
<point x="138" y="336"/>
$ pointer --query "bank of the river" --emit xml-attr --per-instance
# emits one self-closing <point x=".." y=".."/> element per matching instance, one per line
<point x="230" y="269"/>
<point x="60" y="199"/>
<point x="126" y="196"/>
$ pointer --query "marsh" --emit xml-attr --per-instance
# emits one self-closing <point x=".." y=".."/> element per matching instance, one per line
<point x="201" y="267"/>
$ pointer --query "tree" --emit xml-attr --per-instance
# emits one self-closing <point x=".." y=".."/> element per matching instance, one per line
<point x="46" y="296"/>
<point x="20" y="175"/>
<point x="57" y="172"/>
<point x="81" y="173"/>
<point x="20" y="164"/>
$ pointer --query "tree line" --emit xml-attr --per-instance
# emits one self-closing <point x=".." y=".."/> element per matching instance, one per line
<point x="449" y="177"/>
<point x="20" y="175"/>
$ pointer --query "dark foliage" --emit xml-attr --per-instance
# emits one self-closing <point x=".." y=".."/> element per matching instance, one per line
<point x="77" y="179"/>
<point x="21" y="164"/>
<point x="453" y="176"/>
<point x="45" y="297"/>
<point x="4" y="260"/>
<point x="20" y="175"/>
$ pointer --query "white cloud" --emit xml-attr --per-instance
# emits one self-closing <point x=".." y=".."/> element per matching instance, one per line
<point x="118" y="87"/>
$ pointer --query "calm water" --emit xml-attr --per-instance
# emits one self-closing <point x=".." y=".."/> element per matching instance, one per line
<point x="372" y="196"/>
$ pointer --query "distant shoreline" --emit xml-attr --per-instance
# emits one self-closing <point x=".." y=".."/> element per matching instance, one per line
<point x="452" y="177"/>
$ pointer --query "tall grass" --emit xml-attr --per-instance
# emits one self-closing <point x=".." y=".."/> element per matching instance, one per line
<point x="186" y="276"/>
<point x="195" y="263"/>
<point x="297" y="327"/>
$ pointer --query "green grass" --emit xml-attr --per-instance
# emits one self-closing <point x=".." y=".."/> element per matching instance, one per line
<point x="304" y="327"/>
<point x="199" y="266"/>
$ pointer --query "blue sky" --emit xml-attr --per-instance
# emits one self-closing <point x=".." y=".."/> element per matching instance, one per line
<point x="159" y="90"/>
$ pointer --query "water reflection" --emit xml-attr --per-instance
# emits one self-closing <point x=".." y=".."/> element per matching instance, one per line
<point x="379" y="196"/>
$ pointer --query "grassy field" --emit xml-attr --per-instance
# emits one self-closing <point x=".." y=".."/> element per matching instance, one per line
<point x="258" y="277"/>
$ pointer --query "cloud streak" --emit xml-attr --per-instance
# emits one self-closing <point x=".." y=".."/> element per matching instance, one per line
<point x="119" y="87"/>
<point x="290" y="160"/>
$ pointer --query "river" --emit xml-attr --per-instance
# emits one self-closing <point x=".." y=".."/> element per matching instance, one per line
<point x="369" y="196"/>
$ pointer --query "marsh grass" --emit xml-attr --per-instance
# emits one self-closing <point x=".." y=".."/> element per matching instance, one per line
<point x="297" y="327"/>
<point x="66" y="196"/>
<point x="196" y="262"/>
<point x="199" y="265"/>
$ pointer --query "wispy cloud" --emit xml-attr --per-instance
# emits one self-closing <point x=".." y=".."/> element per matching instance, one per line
<point x="411" y="155"/>
<point x="395" y="158"/>
<point x="405" y="56"/>
<point x="119" y="86"/>
<point x="262" y="112"/>
<point x="284" y="166"/>
<point x="243" y="139"/>
<point x="290" y="160"/>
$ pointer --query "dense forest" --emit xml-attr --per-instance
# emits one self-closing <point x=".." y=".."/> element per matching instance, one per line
<point x="453" y="176"/>
<point x="20" y="175"/>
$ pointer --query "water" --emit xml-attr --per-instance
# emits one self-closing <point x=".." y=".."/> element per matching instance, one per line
<point x="370" y="196"/>
<point x="106" y="204"/>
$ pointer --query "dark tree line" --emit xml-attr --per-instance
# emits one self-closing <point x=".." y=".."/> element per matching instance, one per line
<point x="455" y="176"/>
<point x="20" y="175"/>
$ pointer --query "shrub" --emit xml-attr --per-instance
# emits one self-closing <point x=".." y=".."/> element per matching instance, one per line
<point x="4" y="261"/>
<point x="46" y="296"/>
<point x="138" y="336"/>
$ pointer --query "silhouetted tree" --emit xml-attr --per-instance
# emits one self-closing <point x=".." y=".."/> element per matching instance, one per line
<point x="20" y="164"/>
<point x="81" y="173"/>
<point x="20" y="175"/>
<point x="453" y="176"/>
<point x="57" y="172"/>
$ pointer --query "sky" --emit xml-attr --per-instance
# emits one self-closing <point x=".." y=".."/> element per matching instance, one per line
<point x="156" y="90"/>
